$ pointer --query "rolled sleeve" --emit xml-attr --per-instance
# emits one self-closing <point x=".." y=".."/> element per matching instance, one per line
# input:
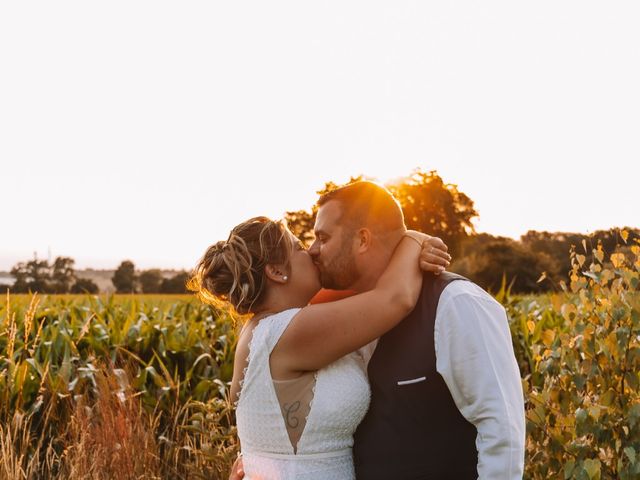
<point x="474" y="355"/>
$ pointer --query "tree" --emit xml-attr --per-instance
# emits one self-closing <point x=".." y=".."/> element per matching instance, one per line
<point x="435" y="207"/>
<point x="151" y="280"/>
<point x="175" y="284"/>
<point x="31" y="276"/>
<point x="428" y="205"/>
<point x="487" y="259"/>
<point x="556" y="245"/>
<point x="84" y="285"/>
<point x="63" y="275"/>
<point x="301" y="224"/>
<point x="124" y="278"/>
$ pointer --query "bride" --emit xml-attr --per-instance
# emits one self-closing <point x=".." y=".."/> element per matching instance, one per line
<point x="299" y="382"/>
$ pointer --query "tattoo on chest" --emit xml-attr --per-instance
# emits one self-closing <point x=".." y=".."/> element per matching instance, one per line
<point x="289" y="411"/>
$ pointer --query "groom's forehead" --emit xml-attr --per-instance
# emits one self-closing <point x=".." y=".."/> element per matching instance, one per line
<point x="329" y="216"/>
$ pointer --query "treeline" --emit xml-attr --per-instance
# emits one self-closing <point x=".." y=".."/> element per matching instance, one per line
<point x="537" y="262"/>
<point x="60" y="277"/>
<point x="127" y="280"/>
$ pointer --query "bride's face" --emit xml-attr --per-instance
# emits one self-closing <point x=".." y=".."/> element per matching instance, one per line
<point x="304" y="277"/>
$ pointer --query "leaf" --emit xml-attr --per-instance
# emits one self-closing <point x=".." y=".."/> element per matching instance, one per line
<point x="548" y="336"/>
<point x="568" y="469"/>
<point x="625" y="235"/>
<point x="591" y="275"/>
<point x="617" y="259"/>
<point x="567" y="310"/>
<point x="608" y="398"/>
<point x="581" y="259"/>
<point x="630" y="452"/>
<point x="599" y="254"/>
<point x="592" y="467"/>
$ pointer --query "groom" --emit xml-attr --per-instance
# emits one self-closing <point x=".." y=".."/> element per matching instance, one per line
<point x="446" y="395"/>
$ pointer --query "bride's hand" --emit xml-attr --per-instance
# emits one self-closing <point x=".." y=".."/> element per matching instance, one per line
<point x="433" y="257"/>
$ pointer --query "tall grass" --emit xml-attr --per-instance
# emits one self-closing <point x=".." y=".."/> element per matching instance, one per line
<point x="126" y="387"/>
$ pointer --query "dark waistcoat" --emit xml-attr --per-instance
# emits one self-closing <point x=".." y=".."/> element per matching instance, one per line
<point x="415" y="430"/>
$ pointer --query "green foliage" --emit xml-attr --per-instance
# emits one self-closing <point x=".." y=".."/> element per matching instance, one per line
<point x="84" y="285"/>
<point x="178" y="352"/>
<point x="62" y="275"/>
<point x="34" y="276"/>
<point x="124" y="278"/>
<point x="579" y="352"/>
<point x="151" y="281"/>
<point x="38" y="276"/>
<point x="301" y="224"/>
<point x="435" y="207"/>
<point x="555" y="245"/>
<point x="175" y="284"/>
<point x="485" y="259"/>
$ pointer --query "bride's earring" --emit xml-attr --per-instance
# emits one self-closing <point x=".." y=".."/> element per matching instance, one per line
<point x="285" y="278"/>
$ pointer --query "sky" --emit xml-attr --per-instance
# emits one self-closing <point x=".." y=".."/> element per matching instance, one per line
<point x="146" y="130"/>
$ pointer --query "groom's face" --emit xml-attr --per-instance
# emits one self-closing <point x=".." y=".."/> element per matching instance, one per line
<point x="333" y="249"/>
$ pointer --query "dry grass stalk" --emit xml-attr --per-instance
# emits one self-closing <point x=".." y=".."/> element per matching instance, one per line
<point x="29" y="316"/>
<point x="114" y="438"/>
<point x="13" y="330"/>
<point x="16" y="460"/>
<point x="85" y="328"/>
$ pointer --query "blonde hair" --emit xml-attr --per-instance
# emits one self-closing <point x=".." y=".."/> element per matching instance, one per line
<point x="233" y="271"/>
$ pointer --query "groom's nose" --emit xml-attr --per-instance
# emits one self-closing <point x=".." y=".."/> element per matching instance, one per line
<point x="314" y="249"/>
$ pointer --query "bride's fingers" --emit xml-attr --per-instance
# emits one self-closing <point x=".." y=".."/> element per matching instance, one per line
<point x="436" y="243"/>
<point x="435" y="256"/>
<point x="430" y="253"/>
<point x="430" y="267"/>
<point x="433" y="259"/>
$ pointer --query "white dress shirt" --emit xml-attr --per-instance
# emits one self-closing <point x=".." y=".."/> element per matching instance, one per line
<point x="475" y="357"/>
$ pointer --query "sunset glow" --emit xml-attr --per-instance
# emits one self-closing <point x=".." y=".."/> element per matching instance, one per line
<point x="146" y="131"/>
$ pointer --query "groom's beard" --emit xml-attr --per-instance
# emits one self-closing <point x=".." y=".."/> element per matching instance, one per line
<point x="341" y="272"/>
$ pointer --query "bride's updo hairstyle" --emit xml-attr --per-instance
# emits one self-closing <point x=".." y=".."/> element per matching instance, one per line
<point x="233" y="271"/>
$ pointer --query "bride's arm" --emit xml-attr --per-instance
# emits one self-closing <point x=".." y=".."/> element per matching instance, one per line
<point x="320" y="334"/>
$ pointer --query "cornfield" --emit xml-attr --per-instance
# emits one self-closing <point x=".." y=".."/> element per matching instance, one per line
<point x="126" y="387"/>
<point x="136" y="387"/>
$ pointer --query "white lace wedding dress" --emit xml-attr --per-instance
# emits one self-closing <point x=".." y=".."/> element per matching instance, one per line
<point x="340" y="401"/>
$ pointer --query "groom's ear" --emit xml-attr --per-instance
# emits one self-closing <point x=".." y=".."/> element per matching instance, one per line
<point x="276" y="273"/>
<point x="363" y="238"/>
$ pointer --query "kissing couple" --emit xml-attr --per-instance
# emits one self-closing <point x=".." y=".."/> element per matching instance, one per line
<point x="412" y="377"/>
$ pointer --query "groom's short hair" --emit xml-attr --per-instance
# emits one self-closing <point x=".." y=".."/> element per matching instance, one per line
<point x="366" y="204"/>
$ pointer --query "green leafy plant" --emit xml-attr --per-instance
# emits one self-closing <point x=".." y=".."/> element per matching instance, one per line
<point x="580" y="355"/>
